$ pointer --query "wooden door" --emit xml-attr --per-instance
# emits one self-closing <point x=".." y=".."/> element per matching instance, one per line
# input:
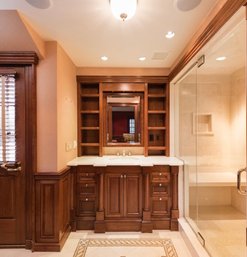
<point x="17" y="144"/>
<point x="114" y="195"/>
<point x="132" y="195"/>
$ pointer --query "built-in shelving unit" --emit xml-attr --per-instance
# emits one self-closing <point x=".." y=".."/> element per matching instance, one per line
<point x="157" y="115"/>
<point x="154" y="119"/>
<point x="89" y="119"/>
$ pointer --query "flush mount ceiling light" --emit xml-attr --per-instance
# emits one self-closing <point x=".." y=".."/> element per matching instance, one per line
<point x="221" y="58"/>
<point x="123" y="9"/>
<point x="187" y="5"/>
<point x="44" y="4"/>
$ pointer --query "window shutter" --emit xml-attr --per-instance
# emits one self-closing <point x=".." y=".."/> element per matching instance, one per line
<point x="7" y="118"/>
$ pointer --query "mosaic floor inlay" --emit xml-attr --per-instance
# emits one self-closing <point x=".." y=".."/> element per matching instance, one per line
<point x="125" y="248"/>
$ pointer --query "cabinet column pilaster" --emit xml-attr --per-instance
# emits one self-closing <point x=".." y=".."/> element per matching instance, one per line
<point x="99" y="225"/>
<point x="146" y="219"/>
<point x="174" y="210"/>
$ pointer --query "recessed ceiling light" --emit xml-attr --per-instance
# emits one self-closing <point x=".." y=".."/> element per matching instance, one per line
<point x="44" y="4"/>
<point x="221" y="58"/>
<point x="143" y="58"/>
<point x="104" y="58"/>
<point x="170" y="34"/>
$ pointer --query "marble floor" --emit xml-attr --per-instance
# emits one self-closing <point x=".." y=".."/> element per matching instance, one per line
<point x="72" y="242"/>
<point x="223" y="229"/>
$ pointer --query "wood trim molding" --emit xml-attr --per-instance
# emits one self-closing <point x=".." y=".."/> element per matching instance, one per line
<point x="223" y="15"/>
<point x="24" y="58"/>
<point x="118" y="79"/>
<point x="53" y="208"/>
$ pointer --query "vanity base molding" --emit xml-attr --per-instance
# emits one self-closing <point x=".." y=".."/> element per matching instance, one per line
<point x="126" y="198"/>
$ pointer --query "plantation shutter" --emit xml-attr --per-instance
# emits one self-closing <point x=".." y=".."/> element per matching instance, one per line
<point x="7" y="118"/>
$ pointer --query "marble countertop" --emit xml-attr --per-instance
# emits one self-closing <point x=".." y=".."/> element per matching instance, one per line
<point x="134" y="160"/>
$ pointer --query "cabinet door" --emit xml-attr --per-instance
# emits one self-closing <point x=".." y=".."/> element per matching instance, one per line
<point x="114" y="195"/>
<point x="132" y="195"/>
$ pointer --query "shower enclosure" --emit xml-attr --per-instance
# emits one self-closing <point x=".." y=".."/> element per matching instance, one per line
<point x="210" y="137"/>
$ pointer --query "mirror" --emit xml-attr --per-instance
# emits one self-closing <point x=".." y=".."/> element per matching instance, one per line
<point x="123" y="118"/>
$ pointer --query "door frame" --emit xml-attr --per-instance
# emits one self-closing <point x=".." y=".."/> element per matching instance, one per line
<point x="28" y="61"/>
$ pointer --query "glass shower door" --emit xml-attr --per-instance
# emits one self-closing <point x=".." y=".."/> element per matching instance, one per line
<point x="220" y="123"/>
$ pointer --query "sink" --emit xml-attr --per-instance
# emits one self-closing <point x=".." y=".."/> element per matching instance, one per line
<point x="123" y="160"/>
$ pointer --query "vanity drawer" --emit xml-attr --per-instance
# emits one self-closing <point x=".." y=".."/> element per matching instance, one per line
<point x="160" y="177"/>
<point x="160" y="206"/>
<point x="86" y="206"/>
<point x="160" y="189"/>
<point x="84" y="176"/>
<point x="88" y="188"/>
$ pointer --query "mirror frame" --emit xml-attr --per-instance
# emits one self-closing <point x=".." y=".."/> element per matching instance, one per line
<point x="107" y="114"/>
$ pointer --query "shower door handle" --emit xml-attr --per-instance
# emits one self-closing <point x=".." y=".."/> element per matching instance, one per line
<point x="242" y="192"/>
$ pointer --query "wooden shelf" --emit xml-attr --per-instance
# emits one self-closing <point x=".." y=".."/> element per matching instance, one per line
<point x="89" y="95"/>
<point x="156" y="111"/>
<point x="156" y="95"/>
<point x="89" y="128"/>
<point x="156" y="128"/>
<point x="89" y="144"/>
<point x="157" y="148"/>
<point x="90" y="112"/>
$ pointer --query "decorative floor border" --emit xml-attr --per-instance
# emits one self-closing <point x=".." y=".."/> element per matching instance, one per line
<point x="169" y="249"/>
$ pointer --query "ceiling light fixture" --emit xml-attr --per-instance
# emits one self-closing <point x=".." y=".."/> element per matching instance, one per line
<point x="123" y="9"/>
<point x="221" y="58"/>
<point x="143" y="58"/>
<point x="187" y="5"/>
<point x="170" y="34"/>
<point x="104" y="58"/>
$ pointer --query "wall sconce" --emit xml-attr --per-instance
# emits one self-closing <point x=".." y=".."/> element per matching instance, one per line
<point x="123" y="9"/>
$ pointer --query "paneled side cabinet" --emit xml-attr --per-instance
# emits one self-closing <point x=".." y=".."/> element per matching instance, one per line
<point x="126" y="198"/>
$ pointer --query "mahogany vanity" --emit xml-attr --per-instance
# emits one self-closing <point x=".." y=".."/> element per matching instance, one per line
<point x="125" y="197"/>
<point x="124" y="193"/>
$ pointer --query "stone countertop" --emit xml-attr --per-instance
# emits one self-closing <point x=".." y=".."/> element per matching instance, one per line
<point x="134" y="160"/>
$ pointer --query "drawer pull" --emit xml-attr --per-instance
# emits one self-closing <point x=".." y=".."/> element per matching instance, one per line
<point x="87" y="174"/>
<point x="125" y="176"/>
<point x="160" y="174"/>
<point x="160" y="199"/>
<point x="86" y="199"/>
<point x="121" y="176"/>
<point x="160" y="185"/>
<point x="86" y="185"/>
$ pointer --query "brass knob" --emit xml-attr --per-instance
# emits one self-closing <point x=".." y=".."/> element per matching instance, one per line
<point x="86" y="199"/>
<point x="86" y="185"/>
<point x="160" y="174"/>
<point x="160" y="185"/>
<point x="160" y="199"/>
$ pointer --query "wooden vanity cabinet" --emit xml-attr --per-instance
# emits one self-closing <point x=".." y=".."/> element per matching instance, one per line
<point x="126" y="198"/>
<point x="123" y="196"/>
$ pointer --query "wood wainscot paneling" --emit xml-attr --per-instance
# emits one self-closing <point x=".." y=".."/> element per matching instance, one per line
<point x="53" y="208"/>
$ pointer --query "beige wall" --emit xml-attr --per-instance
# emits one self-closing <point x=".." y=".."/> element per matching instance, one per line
<point x="47" y="110"/>
<point x="213" y="97"/>
<point x="238" y="119"/>
<point x="67" y="109"/>
<point x="56" y="109"/>
<point x="222" y="96"/>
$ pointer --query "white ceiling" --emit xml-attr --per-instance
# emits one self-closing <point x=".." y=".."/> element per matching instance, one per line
<point x="87" y="30"/>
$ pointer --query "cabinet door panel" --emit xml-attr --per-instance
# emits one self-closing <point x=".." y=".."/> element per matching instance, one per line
<point x="113" y="195"/>
<point x="132" y="195"/>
